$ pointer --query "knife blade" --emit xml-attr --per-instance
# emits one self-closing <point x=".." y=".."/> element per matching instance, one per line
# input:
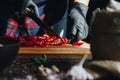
<point x="41" y="23"/>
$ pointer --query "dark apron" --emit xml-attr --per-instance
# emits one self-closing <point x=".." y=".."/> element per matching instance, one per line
<point x="54" y="11"/>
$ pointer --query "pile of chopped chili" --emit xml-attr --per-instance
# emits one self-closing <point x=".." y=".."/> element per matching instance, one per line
<point x="42" y="41"/>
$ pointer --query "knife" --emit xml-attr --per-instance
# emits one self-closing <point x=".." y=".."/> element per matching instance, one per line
<point x="41" y="23"/>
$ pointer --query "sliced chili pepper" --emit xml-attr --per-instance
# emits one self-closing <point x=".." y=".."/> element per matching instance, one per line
<point x="57" y="41"/>
<point x="46" y="36"/>
<point x="42" y="41"/>
<point x="39" y="38"/>
<point x="65" y="40"/>
<point x="79" y="43"/>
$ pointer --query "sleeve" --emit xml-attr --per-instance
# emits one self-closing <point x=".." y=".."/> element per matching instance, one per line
<point x="11" y="30"/>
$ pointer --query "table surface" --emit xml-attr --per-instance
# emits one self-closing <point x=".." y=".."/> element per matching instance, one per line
<point x="60" y="50"/>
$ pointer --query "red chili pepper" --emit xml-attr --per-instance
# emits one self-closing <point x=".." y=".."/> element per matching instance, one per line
<point x="39" y="38"/>
<point x="79" y="43"/>
<point x="42" y="41"/>
<point x="50" y="40"/>
<point x="65" y="40"/>
<point x="54" y="37"/>
<point x="57" y="41"/>
<point x="46" y="36"/>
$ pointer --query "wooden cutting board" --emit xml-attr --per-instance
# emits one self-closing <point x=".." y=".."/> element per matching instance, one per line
<point x="62" y="49"/>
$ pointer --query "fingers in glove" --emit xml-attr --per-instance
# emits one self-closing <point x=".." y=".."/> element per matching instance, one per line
<point x="79" y="26"/>
<point x="30" y="4"/>
<point x="24" y="6"/>
<point x="34" y="7"/>
<point x="82" y="34"/>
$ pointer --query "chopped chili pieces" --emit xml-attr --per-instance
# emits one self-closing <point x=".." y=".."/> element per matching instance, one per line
<point x="42" y="41"/>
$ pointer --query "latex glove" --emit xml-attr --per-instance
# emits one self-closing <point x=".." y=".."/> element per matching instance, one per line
<point x="77" y="25"/>
<point x="30" y="4"/>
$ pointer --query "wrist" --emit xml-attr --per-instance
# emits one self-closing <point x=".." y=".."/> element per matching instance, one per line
<point x="80" y="5"/>
<point x="85" y="2"/>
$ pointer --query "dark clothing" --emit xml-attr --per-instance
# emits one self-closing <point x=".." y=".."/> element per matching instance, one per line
<point x="3" y="28"/>
<point x="101" y="69"/>
<point x="56" y="15"/>
<point x="93" y="5"/>
<point x="54" y="11"/>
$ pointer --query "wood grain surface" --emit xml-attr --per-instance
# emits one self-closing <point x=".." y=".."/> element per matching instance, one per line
<point x="60" y="50"/>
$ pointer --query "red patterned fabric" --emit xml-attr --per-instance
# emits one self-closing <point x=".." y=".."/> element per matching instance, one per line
<point x="13" y="25"/>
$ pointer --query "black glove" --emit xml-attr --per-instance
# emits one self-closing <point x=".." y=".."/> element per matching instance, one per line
<point x="77" y="25"/>
<point x="29" y="4"/>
